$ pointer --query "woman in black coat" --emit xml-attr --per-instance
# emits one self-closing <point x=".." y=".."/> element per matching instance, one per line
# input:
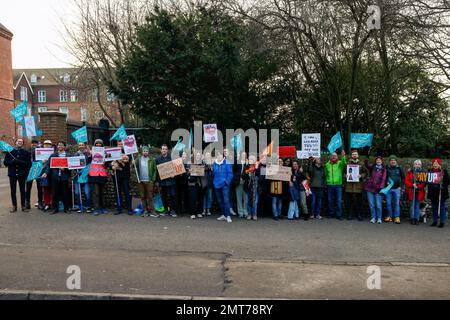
<point x="438" y="192"/>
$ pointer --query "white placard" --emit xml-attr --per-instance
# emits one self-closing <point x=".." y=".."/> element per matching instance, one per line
<point x="353" y="173"/>
<point x="98" y="155"/>
<point x="302" y="155"/>
<point x="113" y="154"/>
<point x="78" y="162"/>
<point x="210" y="133"/>
<point x="42" y="154"/>
<point x="30" y="126"/>
<point x="130" y="145"/>
<point x="311" y="144"/>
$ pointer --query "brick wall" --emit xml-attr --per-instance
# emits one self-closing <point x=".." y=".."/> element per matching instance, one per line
<point x="54" y="126"/>
<point x="7" y="129"/>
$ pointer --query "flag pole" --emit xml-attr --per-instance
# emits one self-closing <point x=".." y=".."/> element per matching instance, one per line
<point x="119" y="203"/>
<point x="135" y="169"/>
<point x="79" y="190"/>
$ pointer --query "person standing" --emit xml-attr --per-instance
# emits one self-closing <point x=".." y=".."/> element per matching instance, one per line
<point x="122" y="173"/>
<point x="83" y="187"/>
<point x="294" y="191"/>
<point x="354" y="190"/>
<point x="276" y="191"/>
<point x="438" y="193"/>
<point x="238" y="181"/>
<point x="18" y="162"/>
<point x="376" y="182"/>
<point x="45" y="182"/>
<point x="98" y="177"/>
<point x="252" y="186"/>
<point x="29" y="185"/>
<point x="395" y="174"/>
<point x="222" y="178"/>
<point x="195" y="188"/>
<point x="316" y="175"/>
<point x="146" y="167"/>
<point x="334" y="177"/>
<point x="59" y="179"/>
<point x="208" y="185"/>
<point x="415" y="190"/>
<point x="168" y="186"/>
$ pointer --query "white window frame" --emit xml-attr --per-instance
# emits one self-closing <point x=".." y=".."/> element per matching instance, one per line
<point x="63" y="96"/>
<point x="23" y="93"/>
<point x="33" y="78"/>
<point x="110" y="97"/>
<point x="66" y="78"/>
<point x="73" y="95"/>
<point x="42" y="109"/>
<point x="20" y="130"/>
<point x="67" y="113"/>
<point x="42" y="96"/>
<point x="83" y="112"/>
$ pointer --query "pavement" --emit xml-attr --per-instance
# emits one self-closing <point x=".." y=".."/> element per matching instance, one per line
<point x="178" y="258"/>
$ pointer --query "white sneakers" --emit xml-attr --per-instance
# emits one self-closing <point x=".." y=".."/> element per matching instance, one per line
<point x="227" y="219"/>
<point x="232" y="212"/>
<point x="378" y="221"/>
<point x="372" y="221"/>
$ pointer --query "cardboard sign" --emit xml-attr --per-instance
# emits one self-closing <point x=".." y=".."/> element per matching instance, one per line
<point x="210" y="132"/>
<point x="130" y="145"/>
<point x="59" y="163"/>
<point x="171" y="169"/>
<point x="113" y="154"/>
<point x="311" y="144"/>
<point x="98" y="155"/>
<point x="78" y="162"/>
<point x="353" y="173"/>
<point x="42" y="154"/>
<point x="278" y="173"/>
<point x="428" y="177"/>
<point x="197" y="170"/>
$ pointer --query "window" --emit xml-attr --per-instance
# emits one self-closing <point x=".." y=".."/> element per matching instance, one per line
<point x="66" y="78"/>
<point x="42" y="109"/>
<point x="20" y="130"/>
<point x="99" y="114"/>
<point x="110" y="97"/>
<point x="63" y="96"/>
<point x="64" y="110"/>
<point x="73" y="95"/>
<point x="33" y="78"/>
<point x="23" y="94"/>
<point x="83" y="114"/>
<point x="95" y="95"/>
<point x="42" y="96"/>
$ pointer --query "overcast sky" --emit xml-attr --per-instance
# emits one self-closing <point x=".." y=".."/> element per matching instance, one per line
<point x="36" y="25"/>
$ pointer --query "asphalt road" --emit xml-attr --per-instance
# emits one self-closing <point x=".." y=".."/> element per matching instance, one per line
<point x="263" y="259"/>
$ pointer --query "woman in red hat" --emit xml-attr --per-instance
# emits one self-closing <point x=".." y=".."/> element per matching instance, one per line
<point x="438" y="193"/>
<point x="415" y="190"/>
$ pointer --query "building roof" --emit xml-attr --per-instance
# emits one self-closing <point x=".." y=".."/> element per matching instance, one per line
<point x="5" y="32"/>
<point x="49" y="77"/>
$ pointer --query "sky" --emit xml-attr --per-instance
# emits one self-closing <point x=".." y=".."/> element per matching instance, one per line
<point x="36" y="26"/>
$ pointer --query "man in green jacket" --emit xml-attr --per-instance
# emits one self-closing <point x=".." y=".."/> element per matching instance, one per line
<point x="334" y="177"/>
<point x="146" y="167"/>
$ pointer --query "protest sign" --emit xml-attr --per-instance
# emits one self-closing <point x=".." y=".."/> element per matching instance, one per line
<point x="302" y="155"/>
<point x="428" y="177"/>
<point x="18" y="112"/>
<point x="171" y="169"/>
<point x="361" y="140"/>
<point x="130" y="145"/>
<point x="353" y="173"/>
<point x="335" y="143"/>
<point x="30" y="127"/>
<point x="76" y="163"/>
<point x="121" y="134"/>
<point x="113" y="154"/>
<point x="279" y="173"/>
<point x="80" y="135"/>
<point x="98" y="155"/>
<point x="42" y="154"/>
<point x="286" y="152"/>
<point x="311" y="143"/>
<point x="197" y="170"/>
<point x="35" y="171"/>
<point x="59" y="163"/>
<point x="178" y="166"/>
<point x="210" y="132"/>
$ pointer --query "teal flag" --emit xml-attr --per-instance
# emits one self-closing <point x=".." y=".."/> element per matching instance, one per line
<point x="179" y="146"/>
<point x="191" y="140"/>
<point x="84" y="175"/>
<point x="35" y="171"/>
<point x="121" y="134"/>
<point x="19" y="111"/>
<point x="388" y="188"/>
<point x="361" y="140"/>
<point x="335" y="143"/>
<point x="80" y="135"/>
<point x="236" y="143"/>
<point x="5" y="147"/>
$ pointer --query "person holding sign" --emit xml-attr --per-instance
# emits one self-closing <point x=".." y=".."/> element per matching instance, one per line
<point x="78" y="187"/>
<point x="146" y="167"/>
<point x="415" y="190"/>
<point x="122" y="174"/>
<point x="277" y="190"/>
<point x="252" y="186"/>
<point x="438" y="194"/>
<point x="395" y="174"/>
<point x="354" y="187"/>
<point x="45" y="182"/>
<point x="195" y="186"/>
<point x="59" y="178"/>
<point x="168" y="186"/>
<point x="375" y="183"/>
<point x="98" y="177"/>
<point x="334" y="174"/>
<point x="316" y="175"/>
<point x="18" y="162"/>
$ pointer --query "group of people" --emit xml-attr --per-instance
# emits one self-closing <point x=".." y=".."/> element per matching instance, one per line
<point x="240" y="185"/>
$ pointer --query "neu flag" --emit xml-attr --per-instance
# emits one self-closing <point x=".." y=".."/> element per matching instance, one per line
<point x="179" y="146"/>
<point x="35" y="171"/>
<point x="30" y="127"/>
<point x="335" y="143"/>
<point x="5" y="147"/>
<point x="236" y="143"/>
<point x="361" y="140"/>
<point x="84" y="175"/>
<point x="19" y="111"/>
<point x="121" y="134"/>
<point x="80" y="135"/>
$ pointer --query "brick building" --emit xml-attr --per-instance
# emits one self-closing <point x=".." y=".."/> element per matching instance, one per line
<point x="7" y="127"/>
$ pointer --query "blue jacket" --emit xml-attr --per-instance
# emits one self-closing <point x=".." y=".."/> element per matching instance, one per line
<point x="18" y="162"/>
<point x="223" y="174"/>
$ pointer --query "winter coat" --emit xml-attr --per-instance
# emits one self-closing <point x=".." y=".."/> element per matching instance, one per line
<point x="152" y="172"/>
<point x="397" y="175"/>
<point x="433" y="189"/>
<point x="409" y="182"/>
<point x="18" y="162"/>
<point x="252" y="183"/>
<point x="316" y="176"/>
<point x="357" y="187"/>
<point x="377" y="178"/>
<point x="167" y="182"/>
<point x="334" y="172"/>
<point x="223" y="174"/>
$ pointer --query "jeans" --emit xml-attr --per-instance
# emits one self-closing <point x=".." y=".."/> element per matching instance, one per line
<point x="167" y="191"/>
<point x="393" y="198"/>
<point x="241" y="199"/>
<point x="60" y="192"/>
<point x="87" y="193"/>
<point x="316" y="201"/>
<point x="375" y="204"/>
<point x="277" y="203"/>
<point x="123" y="185"/>
<point x="293" y="210"/>
<point x="335" y="192"/>
<point x="223" y="197"/>
<point x="303" y="204"/>
<point x="435" y="206"/>
<point x="353" y="202"/>
<point x="13" y="184"/>
<point x="252" y="208"/>
<point x="415" y="207"/>
<point x="207" y="199"/>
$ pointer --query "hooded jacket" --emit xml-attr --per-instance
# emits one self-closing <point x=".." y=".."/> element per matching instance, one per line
<point x="334" y="172"/>
<point x="222" y="174"/>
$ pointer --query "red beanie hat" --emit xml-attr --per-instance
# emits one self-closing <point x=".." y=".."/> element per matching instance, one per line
<point x="438" y="161"/>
